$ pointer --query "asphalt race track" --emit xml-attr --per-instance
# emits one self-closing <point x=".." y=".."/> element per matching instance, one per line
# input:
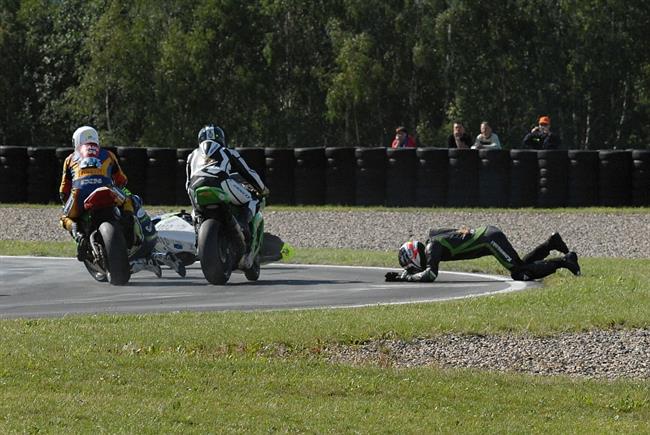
<point x="45" y="287"/>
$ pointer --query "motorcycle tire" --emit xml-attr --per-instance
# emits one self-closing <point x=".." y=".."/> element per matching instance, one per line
<point x="118" y="268"/>
<point x="253" y="274"/>
<point x="214" y="251"/>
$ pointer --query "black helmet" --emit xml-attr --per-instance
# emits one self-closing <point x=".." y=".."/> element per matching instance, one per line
<point x="212" y="132"/>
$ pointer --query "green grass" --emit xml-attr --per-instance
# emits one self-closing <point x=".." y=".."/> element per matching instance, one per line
<point x="264" y="371"/>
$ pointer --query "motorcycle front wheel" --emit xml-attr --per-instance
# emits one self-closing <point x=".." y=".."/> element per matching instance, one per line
<point x="118" y="269"/>
<point x="214" y="252"/>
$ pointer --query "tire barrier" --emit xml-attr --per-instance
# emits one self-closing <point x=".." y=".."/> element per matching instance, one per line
<point x="279" y="174"/>
<point x="401" y="177"/>
<point x="462" y="188"/>
<point x="641" y="178"/>
<point x="254" y="158"/>
<point x="309" y="176"/>
<point x="181" y="176"/>
<point x="370" y="175"/>
<point x="423" y="177"/>
<point x="133" y="162"/>
<point x="432" y="173"/>
<point x="523" y="178"/>
<point x="62" y="153"/>
<point x="553" y="178"/>
<point x="161" y="176"/>
<point x="42" y="171"/>
<point x="13" y="174"/>
<point x="615" y="178"/>
<point x="583" y="178"/>
<point x="494" y="178"/>
<point x="340" y="183"/>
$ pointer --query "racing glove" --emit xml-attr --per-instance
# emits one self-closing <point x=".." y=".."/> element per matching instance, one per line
<point x="426" y="275"/>
<point x="393" y="277"/>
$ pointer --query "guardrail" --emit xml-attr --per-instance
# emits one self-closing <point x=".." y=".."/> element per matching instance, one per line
<point x="421" y="177"/>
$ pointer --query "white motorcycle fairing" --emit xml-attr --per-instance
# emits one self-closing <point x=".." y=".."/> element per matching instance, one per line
<point x="176" y="234"/>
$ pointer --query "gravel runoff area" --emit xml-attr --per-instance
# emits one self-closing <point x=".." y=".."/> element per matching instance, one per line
<point x="595" y="354"/>
<point x="623" y="235"/>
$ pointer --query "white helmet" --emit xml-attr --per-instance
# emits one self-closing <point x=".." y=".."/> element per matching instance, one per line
<point x="412" y="257"/>
<point x="84" y="135"/>
<point x="209" y="147"/>
<point x="212" y="132"/>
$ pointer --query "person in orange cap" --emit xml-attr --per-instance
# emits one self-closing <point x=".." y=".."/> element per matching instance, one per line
<point x="541" y="137"/>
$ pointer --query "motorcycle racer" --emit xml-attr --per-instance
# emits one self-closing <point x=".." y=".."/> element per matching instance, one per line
<point x="84" y="170"/>
<point x="212" y="150"/>
<point x="420" y="261"/>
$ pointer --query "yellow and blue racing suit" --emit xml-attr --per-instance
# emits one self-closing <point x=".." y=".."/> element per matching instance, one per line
<point x="83" y="172"/>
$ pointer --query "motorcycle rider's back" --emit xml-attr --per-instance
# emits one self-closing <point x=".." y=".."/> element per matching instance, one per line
<point x="213" y="152"/>
<point x="84" y="170"/>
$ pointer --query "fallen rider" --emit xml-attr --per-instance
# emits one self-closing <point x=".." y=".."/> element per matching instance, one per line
<point x="420" y="261"/>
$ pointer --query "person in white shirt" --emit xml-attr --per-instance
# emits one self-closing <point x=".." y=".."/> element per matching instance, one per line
<point x="486" y="139"/>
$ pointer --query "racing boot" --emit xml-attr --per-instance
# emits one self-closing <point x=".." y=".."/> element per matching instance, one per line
<point x="555" y="242"/>
<point x="542" y="251"/>
<point x="570" y="261"/>
<point x="82" y="242"/>
<point x="172" y="261"/>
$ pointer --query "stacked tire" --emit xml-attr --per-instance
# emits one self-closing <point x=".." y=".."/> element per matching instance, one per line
<point x="13" y="174"/>
<point x="523" y="178"/>
<point x="42" y="175"/>
<point x="133" y="162"/>
<point x="494" y="180"/>
<point x="401" y="177"/>
<point x="614" y="180"/>
<point x="583" y="178"/>
<point x="161" y="176"/>
<point x="370" y="175"/>
<point x="255" y="159"/>
<point x="340" y="176"/>
<point x="279" y="174"/>
<point x="553" y="178"/>
<point x="309" y="176"/>
<point x="181" y="176"/>
<point x="462" y="190"/>
<point x="641" y="178"/>
<point x="432" y="168"/>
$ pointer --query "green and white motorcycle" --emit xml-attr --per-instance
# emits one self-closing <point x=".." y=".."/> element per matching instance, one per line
<point x="222" y="245"/>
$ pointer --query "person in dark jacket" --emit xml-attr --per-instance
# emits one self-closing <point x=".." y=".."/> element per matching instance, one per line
<point x="420" y="262"/>
<point x="541" y="137"/>
<point x="459" y="138"/>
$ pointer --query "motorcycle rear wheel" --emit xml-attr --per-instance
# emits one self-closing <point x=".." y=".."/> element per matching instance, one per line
<point x="214" y="251"/>
<point x="118" y="270"/>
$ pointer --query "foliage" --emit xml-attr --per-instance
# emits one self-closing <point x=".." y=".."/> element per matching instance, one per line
<point x="323" y="73"/>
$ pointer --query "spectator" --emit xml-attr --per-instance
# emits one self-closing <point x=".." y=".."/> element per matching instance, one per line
<point x="541" y="138"/>
<point x="487" y="139"/>
<point x="403" y="139"/>
<point x="459" y="138"/>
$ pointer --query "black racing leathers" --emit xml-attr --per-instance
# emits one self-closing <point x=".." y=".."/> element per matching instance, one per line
<point x="468" y="243"/>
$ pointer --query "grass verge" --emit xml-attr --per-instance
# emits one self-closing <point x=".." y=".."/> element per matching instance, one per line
<point x="264" y="371"/>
